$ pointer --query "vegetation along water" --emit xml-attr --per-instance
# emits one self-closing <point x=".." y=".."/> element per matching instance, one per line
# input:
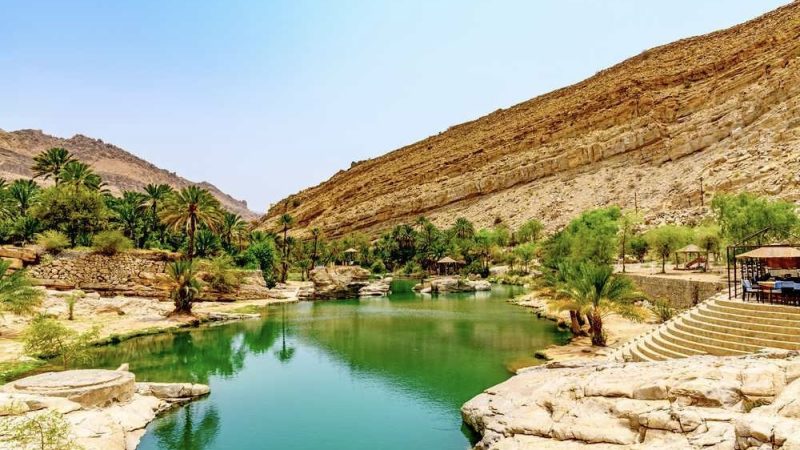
<point x="387" y="373"/>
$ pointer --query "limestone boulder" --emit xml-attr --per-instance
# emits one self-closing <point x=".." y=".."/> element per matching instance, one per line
<point x="332" y="282"/>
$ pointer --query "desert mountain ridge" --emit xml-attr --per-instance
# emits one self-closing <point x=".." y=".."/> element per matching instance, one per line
<point x="724" y="107"/>
<point x="119" y="168"/>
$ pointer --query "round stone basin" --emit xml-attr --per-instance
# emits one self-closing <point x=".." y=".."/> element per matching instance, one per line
<point x="89" y="387"/>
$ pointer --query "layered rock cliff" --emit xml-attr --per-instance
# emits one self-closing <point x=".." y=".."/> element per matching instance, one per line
<point x="723" y="106"/>
<point x="120" y="169"/>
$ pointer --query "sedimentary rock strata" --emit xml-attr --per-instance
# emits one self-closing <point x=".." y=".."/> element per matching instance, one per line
<point x="723" y="106"/>
<point x="700" y="402"/>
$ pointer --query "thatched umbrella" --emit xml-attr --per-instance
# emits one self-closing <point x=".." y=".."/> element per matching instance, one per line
<point x="446" y="262"/>
<point x="349" y="255"/>
<point x="775" y="257"/>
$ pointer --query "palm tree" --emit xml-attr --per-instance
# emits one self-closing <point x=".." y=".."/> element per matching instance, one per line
<point x="189" y="208"/>
<point x="233" y="228"/>
<point x="130" y="212"/>
<point x="316" y="233"/>
<point x="463" y="228"/>
<point x="155" y="195"/>
<point x="24" y="193"/>
<point x="184" y="285"/>
<point x="285" y="221"/>
<point x="50" y="162"/>
<point x="77" y="174"/>
<point x="596" y="291"/>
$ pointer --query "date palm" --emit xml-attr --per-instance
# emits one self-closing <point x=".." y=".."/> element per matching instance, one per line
<point x="23" y="192"/>
<point x="154" y="196"/>
<point x="233" y="228"/>
<point x="187" y="209"/>
<point x="50" y="162"/>
<point x="316" y="234"/>
<point x="285" y="221"/>
<point x="184" y="285"/>
<point x="17" y="293"/>
<point x="463" y="228"/>
<point x="77" y="174"/>
<point x="130" y="211"/>
<point x="596" y="291"/>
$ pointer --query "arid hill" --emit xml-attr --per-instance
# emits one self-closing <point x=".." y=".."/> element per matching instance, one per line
<point x="120" y="169"/>
<point x="723" y="106"/>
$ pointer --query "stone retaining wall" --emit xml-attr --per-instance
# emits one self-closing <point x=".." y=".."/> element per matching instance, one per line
<point x="138" y="273"/>
<point x="680" y="293"/>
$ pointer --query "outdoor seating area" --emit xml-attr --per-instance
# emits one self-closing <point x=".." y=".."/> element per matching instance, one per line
<point x="769" y="274"/>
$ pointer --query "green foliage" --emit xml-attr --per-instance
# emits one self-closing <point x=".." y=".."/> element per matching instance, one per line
<point x="71" y="300"/>
<point x="662" y="310"/>
<point x="742" y="215"/>
<point x="639" y="247"/>
<point x="264" y="254"/>
<point x="221" y="274"/>
<point x="591" y="237"/>
<point x="47" y="430"/>
<point x="75" y="211"/>
<point x="24" y="194"/>
<point x="17" y="293"/>
<point x="184" y="285"/>
<point x="412" y="268"/>
<point x="526" y="253"/>
<point x="50" y="162"/>
<point x="78" y="174"/>
<point x="378" y="267"/>
<point x="664" y="240"/>
<point x="52" y="241"/>
<point x="111" y="242"/>
<point x="189" y="208"/>
<point x="206" y="243"/>
<point x="47" y="337"/>
<point x="530" y="231"/>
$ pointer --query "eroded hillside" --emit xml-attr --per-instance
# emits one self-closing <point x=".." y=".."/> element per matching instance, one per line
<point x="723" y="106"/>
<point x="120" y="169"/>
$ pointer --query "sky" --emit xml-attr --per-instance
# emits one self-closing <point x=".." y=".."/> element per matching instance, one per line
<point x="264" y="98"/>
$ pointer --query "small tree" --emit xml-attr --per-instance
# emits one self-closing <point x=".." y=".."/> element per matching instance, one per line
<point x="184" y="286"/>
<point x="17" y="293"/>
<point x="664" y="240"/>
<point x="221" y="275"/>
<point x="47" y="337"/>
<point x="41" y="431"/>
<point x="52" y="241"/>
<point x="530" y="231"/>
<point x="708" y="238"/>
<point x="111" y="242"/>
<point x="264" y="253"/>
<point x="71" y="300"/>
<point x="526" y="253"/>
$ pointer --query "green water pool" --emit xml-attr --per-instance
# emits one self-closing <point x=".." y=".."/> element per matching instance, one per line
<point x="380" y="373"/>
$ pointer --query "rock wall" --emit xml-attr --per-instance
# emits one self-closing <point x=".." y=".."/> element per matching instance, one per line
<point x="137" y="273"/>
<point x="700" y="402"/>
<point x="332" y="282"/>
<point x="680" y="293"/>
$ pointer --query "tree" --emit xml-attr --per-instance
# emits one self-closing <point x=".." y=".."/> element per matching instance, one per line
<point x="50" y="162"/>
<point x="154" y="196"/>
<point x="596" y="291"/>
<point x="233" y="229"/>
<point x="46" y="430"/>
<point x="743" y="215"/>
<point x="24" y="193"/>
<point x="47" y="337"/>
<point x="530" y="231"/>
<point x="664" y="240"/>
<point x="285" y="221"/>
<point x="263" y="252"/>
<point x="708" y="238"/>
<point x="590" y="237"/>
<point x="463" y="228"/>
<point x="316" y="235"/>
<point x="627" y="225"/>
<point x="17" y="293"/>
<point x="77" y="212"/>
<point x="184" y="285"/>
<point x="189" y="208"/>
<point x="206" y="243"/>
<point x="78" y="174"/>
<point x="525" y="252"/>
<point x="131" y="214"/>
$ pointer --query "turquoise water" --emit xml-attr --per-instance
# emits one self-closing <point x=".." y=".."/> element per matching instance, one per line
<point x="385" y="373"/>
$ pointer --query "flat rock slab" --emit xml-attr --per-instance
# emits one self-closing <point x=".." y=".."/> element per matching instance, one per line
<point x="89" y="387"/>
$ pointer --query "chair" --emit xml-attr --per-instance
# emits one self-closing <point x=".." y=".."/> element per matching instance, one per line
<point x="776" y="291"/>
<point x="749" y="292"/>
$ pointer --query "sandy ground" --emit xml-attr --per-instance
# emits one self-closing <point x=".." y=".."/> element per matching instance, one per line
<point x="115" y="316"/>
<point x="653" y="269"/>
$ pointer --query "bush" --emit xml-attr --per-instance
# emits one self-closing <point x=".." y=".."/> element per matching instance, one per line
<point x="378" y="267"/>
<point x="411" y="268"/>
<point x="47" y="337"/>
<point x="662" y="310"/>
<point x="221" y="275"/>
<point x="44" y="430"/>
<point x="475" y="268"/>
<point x="111" y="242"/>
<point x="52" y="241"/>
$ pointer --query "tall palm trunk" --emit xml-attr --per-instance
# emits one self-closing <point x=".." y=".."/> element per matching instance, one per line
<point x="285" y="259"/>
<point x="192" y="229"/>
<point x="598" y="338"/>
<point x="574" y="326"/>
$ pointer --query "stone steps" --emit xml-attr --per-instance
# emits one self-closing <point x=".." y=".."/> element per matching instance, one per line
<point x="719" y="327"/>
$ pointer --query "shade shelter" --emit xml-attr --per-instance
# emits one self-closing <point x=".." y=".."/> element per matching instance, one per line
<point x="692" y="256"/>
<point x="446" y="265"/>
<point x="349" y="255"/>
<point x="773" y="269"/>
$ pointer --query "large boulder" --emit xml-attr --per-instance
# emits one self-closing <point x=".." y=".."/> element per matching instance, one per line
<point x="338" y="281"/>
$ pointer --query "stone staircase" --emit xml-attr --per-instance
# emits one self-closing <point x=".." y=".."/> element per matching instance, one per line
<point x="717" y="327"/>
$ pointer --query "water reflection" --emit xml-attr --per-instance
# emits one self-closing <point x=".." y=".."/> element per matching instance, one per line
<point x="194" y="427"/>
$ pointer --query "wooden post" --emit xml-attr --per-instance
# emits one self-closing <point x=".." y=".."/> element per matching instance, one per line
<point x="702" y="194"/>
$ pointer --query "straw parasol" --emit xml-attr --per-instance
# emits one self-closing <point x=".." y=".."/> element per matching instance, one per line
<point x="771" y="253"/>
<point x="691" y="248"/>
<point x="351" y="250"/>
<point x="447" y="260"/>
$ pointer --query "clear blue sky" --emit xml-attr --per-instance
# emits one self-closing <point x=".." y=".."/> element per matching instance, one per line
<point x="263" y="98"/>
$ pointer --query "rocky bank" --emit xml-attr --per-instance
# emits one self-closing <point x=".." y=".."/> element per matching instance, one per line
<point x="707" y="402"/>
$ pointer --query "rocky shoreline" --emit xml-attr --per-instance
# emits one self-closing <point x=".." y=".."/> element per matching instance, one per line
<point x="98" y="409"/>
<point x="708" y="402"/>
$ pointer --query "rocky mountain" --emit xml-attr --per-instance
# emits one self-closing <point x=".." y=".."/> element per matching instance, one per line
<point x="722" y="107"/>
<point x="120" y="169"/>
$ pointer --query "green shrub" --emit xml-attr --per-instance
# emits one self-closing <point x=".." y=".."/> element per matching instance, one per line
<point x="662" y="310"/>
<point x="47" y="337"/>
<point x="71" y="299"/>
<point x="43" y="430"/>
<point x="378" y="267"/>
<point x="111" y="242"/>
<point x="52" y="241"/>
<point x="221" y="275"/>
